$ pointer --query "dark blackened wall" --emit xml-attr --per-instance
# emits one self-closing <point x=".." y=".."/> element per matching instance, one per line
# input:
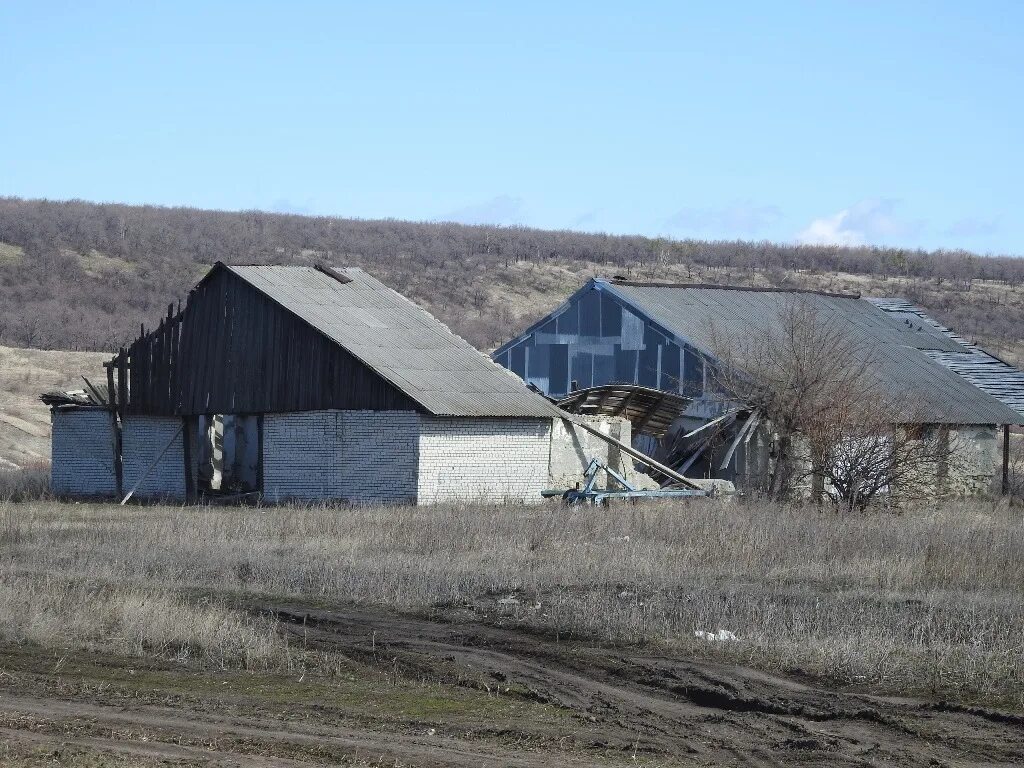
<point x="233" y="350"/>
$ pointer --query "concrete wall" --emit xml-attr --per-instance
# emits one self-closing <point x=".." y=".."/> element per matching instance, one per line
<point x="358" y="456"/>
<point x="400" y="456"/>
<point x="975" y="467"/>
<point x="143" y="438"/>
<point x="572" y="448"/>
<point x="82" y="449"/>
<point x="488" y="460"/>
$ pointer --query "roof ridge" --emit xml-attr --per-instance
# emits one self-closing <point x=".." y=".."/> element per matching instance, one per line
<point x="720" y="287"/>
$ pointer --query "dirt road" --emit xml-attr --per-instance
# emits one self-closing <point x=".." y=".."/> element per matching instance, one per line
<point x="712" y="713"/>
<point x="580" y="705"/>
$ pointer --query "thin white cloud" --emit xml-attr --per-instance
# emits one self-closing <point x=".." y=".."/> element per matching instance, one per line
<point x="831" y="230"/>
<point x="738" y="218"/>
<point x="503" y="209"/>
<point x="864" y="222"/>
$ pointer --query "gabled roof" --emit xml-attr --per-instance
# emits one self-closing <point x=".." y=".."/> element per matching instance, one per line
<point x="901" y="351"/>
<point x="906" y="356"/>
<point x="401" y="342"/>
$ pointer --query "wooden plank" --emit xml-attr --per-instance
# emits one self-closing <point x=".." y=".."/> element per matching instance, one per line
<point x="122" y="382"/>
<point x="111" y="395"/>
<point x="1006" y="459"/>
<point x="259" y="455"/>
<point x="651" y="410"/>
<point x="188" y="438"/>
<point x="200" y="363"/>
<point x="95" y="392"/>
<point x="172" y="368"/>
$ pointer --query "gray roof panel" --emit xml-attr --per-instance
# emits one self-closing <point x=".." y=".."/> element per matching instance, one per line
<point x="966" y="359"/>
<point x="399" y="340"/>
<point x="908" y="354"/>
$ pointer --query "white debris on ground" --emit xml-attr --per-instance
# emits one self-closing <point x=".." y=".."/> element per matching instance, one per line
<point x="721" y="636"/>
<point x="510" y="605"/>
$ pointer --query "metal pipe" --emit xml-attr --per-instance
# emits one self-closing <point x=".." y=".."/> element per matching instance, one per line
<point x="631" y="451"/>
<point x="1006" y="459"/>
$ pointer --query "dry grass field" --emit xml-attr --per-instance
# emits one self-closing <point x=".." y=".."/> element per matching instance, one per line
<point x="162" y="635"/>
<point x="891" y="637"/>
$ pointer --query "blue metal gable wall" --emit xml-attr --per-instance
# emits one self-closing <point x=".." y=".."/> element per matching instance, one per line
<point x="595" y="339"/>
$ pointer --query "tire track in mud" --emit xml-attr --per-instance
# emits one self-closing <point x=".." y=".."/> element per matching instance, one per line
<point x="710" y="713"/>
<point x="166" y="733"/>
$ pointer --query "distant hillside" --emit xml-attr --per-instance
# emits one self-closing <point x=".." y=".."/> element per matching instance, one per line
<point x="76" y="275"/>
<point x="24" y="420"/>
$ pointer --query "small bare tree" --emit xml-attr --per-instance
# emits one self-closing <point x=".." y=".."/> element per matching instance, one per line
<point x="872" y="447"/>
<point x="814" y="383"/>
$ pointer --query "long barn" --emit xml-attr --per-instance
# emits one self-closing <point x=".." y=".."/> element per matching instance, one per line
<point x="315" y="383"/>
<point x="662" y="337"/>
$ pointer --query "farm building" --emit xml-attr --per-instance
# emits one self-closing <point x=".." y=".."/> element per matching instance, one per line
<point x="315" y="383"/>
<point x="666" y="340"/>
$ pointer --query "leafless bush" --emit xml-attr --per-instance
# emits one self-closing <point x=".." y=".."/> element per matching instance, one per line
<point x="929" y="600"/>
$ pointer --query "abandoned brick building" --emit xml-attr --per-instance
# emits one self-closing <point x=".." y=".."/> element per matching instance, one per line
<point x="315" y="383"/>
<point x="660" y="337"/>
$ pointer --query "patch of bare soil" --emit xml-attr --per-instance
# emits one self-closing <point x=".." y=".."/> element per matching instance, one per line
<point x="701" y="713"/>
<point x="457" y="692"/>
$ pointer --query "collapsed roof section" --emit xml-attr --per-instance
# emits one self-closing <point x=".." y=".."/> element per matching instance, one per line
<point x="650" y="411"/>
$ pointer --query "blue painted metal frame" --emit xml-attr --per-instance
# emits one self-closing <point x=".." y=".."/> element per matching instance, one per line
<point x="587" y="493"/>
<point x="598" y="337"/>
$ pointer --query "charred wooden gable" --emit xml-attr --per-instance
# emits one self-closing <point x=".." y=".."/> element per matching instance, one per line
<point x="232" y="349"/>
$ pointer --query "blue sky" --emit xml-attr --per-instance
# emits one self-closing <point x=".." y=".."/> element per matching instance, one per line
<point x="885" y="123"/>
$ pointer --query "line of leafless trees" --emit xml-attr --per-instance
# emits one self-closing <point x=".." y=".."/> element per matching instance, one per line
<point x="148" y="255"/>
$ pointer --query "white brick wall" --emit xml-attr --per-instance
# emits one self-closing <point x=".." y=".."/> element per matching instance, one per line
<point x="142" y="440"/>
<point x="572" y="448"/>
<point x="82" y="448"/>
<point x="489" y="460"/>
<point x="358" y="456"/>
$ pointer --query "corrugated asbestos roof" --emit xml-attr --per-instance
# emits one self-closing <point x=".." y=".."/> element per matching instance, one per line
<point x="986" y="372"/>
<point x="907" y="354"/>
<point x="402" y="342"/>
